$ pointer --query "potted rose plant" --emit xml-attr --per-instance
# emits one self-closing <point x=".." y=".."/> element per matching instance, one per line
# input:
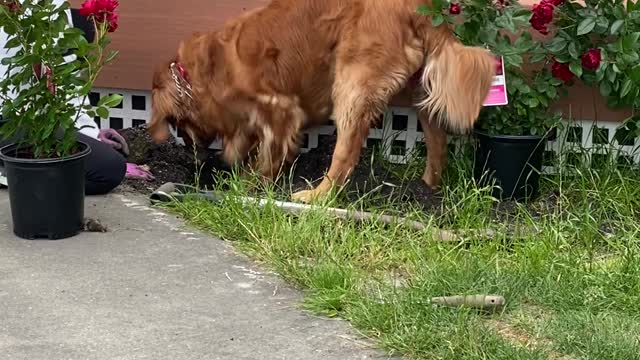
<point x="52" y="69"/>
<point x="510" y="138"/>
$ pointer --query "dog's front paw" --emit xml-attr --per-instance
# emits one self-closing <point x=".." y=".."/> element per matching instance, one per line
<point x="321" y="192"/>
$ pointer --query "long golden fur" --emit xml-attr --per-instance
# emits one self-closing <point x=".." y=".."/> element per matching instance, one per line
<point x="292" y="64"/>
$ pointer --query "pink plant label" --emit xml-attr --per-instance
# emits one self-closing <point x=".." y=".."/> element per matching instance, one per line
<point x="498" y="93"/>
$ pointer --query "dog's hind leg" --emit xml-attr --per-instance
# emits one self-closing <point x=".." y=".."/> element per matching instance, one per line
<point x="435" y="139"/>
<point x="360" y="96"/>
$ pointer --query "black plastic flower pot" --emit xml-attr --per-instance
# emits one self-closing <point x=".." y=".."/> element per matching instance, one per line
<point x="511" y="163"/>
<point x="46" y="195"/>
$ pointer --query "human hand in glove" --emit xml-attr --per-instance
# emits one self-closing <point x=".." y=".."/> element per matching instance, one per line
<point x="111" y="137"/>
<point x="135" y="171"/>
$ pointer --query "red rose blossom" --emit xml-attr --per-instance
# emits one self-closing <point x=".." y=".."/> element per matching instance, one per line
<point x="561" y="71"/>
<point x="113" y="22"/>
<point x="591" y="59"/>
<point x="542" y="16"/>
<point x="98" y="8"/>
<point x="101" y="11"/>
<point x="454" y="9"/>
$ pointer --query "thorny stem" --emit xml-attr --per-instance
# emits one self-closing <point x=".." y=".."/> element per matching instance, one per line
<point x="92" y="77"/>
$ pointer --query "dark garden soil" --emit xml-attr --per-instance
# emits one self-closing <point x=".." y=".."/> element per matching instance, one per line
<point x="168" y="162"/>
<point x="171" y="162"/>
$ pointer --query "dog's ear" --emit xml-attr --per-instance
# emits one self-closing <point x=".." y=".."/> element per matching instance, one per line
<point x="161" y="105"/>
<point x="201" y="54"/>
<point x="159" y="128"/>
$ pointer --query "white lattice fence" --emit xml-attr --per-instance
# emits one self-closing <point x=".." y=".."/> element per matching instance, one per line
<point x="400" y="132"/>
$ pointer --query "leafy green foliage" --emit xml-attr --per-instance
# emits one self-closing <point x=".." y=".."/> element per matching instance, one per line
<point x="528" y="108"/>
<point x="613" y="27"/>
<point x="504" y="29"/>
<point x="609" y="31"/>
<point x="29" y="100"/>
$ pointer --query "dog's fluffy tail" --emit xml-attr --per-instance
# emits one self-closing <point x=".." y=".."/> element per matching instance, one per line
<point x="456" y="80"/>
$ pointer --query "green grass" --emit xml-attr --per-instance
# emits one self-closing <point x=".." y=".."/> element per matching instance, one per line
<point x="572" y="285"/>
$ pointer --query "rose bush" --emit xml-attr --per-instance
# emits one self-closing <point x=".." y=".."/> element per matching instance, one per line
<point x="598" y="42"/>
<point x="594" y="42"/>
<point x="503" y="27"/>
<point x="53" y="65"/>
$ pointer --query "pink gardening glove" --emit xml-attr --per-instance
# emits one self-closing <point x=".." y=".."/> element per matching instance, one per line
<point x="114" y="139"/>
<point x="135" y="171"/>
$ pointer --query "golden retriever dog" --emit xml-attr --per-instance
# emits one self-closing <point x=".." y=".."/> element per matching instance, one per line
<point x="266" y="75"/>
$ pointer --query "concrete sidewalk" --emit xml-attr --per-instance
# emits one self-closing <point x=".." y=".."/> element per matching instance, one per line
<point x="151" y="289"/>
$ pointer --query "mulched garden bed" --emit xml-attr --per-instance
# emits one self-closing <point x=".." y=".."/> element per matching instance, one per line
<point x="171" y="162"/>
<point x="168" y="162"/>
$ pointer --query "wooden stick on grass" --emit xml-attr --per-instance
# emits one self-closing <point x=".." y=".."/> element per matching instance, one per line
<point x="482" y="302"/>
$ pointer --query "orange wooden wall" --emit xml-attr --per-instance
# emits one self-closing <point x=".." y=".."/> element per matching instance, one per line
<point x="150" y="31"/>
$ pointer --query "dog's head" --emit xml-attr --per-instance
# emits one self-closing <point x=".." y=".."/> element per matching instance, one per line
<point x="186" y="94"/>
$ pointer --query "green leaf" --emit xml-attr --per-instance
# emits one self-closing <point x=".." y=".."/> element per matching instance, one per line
<point x="626" y="87"/>
<point x="437" y="20"/>
<point x="557" y="44"/>
<point x="506" y="22"/>
<point x="112" y="55"/>
<point x="573" y="50"/>
<point x="424" y="10"/>
<point x="521" y="14"/>
<point x="576" y="69"/>
<point x="555" y="82"/>
<point x="11" y="60"/>
<point x="631" y="57"/>
<point x="13" y="43"/>
<point x="616" y="68"/>
<point x="605" y="89"/>
<point x="537" y="57"/>
<point x="522" y="44"/>
<point x="634" y="74"/>
<point x="586" y="26"/>
<point x="615" y="27"/>
<point x="110" y="100"/>
<point x="629" y="42"/>
<point x="103" y="112"/>
<point x="600" y="73"/>
<point x="602" y="25"/>
<point x="512" y="60"/>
